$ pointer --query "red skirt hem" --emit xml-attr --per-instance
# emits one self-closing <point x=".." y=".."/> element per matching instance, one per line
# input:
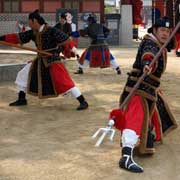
<point x="61" y="78"/>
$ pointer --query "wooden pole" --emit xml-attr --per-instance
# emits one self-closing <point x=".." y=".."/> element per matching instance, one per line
<point x="26" y="48"/>
<point x="174" y="14"/>
<point x="154" y="11"/>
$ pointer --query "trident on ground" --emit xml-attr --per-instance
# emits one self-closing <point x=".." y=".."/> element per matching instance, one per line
<point x="105" y="131"/>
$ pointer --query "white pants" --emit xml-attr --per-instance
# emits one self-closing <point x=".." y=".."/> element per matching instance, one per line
<point x="114" y="64"/>
<point x="75" y="92"/>
<point x="86" y="62"/>
<point x="22" y="80"/>
<point x="74" y="50"/>
<point x="129" y="138"/>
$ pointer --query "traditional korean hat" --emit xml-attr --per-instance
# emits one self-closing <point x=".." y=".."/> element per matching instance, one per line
<point x="162" y="22"/>
<point x="36" y="15"/>
<point x="91" y="19"/>
<point x="63" y="16"/>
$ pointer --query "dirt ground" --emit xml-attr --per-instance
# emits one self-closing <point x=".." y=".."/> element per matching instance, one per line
<point x="50" y="140"/>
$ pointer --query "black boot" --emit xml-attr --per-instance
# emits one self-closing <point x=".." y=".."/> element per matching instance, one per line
<point x="118" y="70"/>
<point x="77" y="56"/>
<point x="79" y="71"/>
<point x="83" y="104"/>
<point x="127" y="162"/>
<point x="21" y="100"/>
<point x="177" y="53"/>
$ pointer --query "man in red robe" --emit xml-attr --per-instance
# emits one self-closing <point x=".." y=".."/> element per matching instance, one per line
<point x="147" y="117"/>
<point x="45" y="76"/>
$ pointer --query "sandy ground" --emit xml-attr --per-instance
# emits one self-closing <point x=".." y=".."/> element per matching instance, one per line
<point x="50" y="140"/>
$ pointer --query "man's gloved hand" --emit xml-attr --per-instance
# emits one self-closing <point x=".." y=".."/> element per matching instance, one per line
<point x="2" y="38"/>
<point x="147" y="69"/>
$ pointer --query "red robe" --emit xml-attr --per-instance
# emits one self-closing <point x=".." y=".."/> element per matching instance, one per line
<point x="61" y="80"/>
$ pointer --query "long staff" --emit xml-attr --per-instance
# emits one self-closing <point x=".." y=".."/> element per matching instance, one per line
<point x="26" y="48"/>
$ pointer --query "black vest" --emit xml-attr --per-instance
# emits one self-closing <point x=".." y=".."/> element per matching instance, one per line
<point x="151" y="82"/>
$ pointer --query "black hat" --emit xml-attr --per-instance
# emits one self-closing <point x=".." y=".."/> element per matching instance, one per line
<point x="36" y="15"/>
<point x="63" y="16"/>
<point x="91" y="19"/>
<point x="162" y="22"/>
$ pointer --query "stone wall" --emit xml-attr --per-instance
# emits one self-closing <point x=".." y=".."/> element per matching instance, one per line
<point x="8" y="72"/>
<point x="8" y="23"/>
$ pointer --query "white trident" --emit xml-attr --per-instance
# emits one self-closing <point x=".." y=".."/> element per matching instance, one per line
<point x="105" y="131"/>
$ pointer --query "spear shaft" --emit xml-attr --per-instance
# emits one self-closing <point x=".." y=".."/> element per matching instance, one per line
<point x="26" y="48"/>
